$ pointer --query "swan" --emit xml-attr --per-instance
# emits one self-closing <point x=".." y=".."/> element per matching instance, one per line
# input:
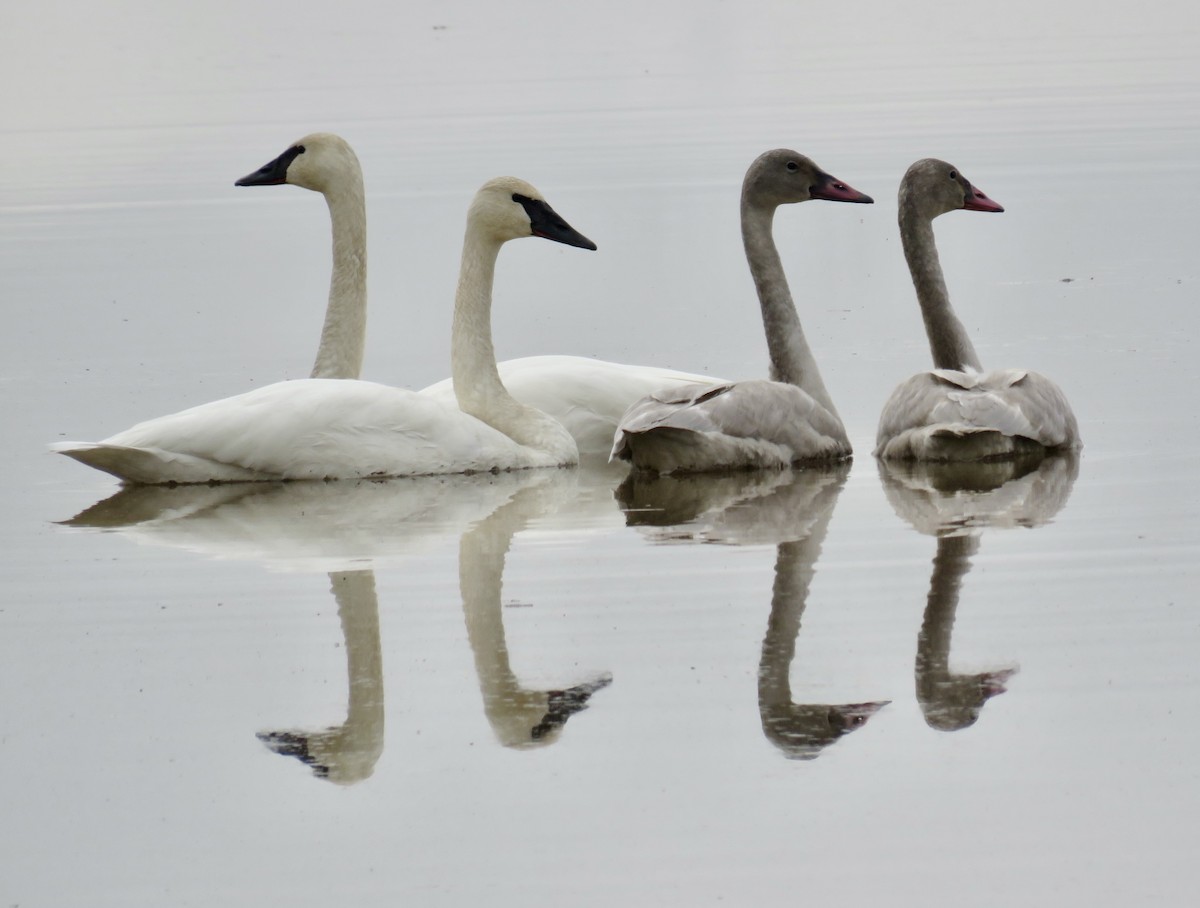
<point x="750" y="424"/>
<point x="325" y="163"/>
<point x="586" y="395"/>
<point x="957" y="411"/>
<point x="320" y="428"/>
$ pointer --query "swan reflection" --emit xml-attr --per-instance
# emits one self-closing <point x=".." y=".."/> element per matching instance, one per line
<point x="956" y="502"/>
<point x="346" y="529"/>
<point x="791" y="509"/>
<point x="347" y="753"/>
<point x="520" y="716"/>
<point x="305" y="526"/>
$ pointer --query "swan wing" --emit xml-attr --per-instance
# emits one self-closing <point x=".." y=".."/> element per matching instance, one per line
<point x="735" y="425"/>
<point x="588" y="396"/>
<point x="1013" y="406"/>
<point x="308" y="429"/>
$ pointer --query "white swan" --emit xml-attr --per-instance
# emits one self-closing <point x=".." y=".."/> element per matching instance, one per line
<point x="325" y="163"/>
<point x="751" y="424"/>
<point x="957" y="411"/>
<point x="319" y="428"/>
<point x="588" y="396"/>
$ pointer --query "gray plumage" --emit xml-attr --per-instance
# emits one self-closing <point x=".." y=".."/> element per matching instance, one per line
<point x="751" y="424"/>
<point x="958" y="411"/>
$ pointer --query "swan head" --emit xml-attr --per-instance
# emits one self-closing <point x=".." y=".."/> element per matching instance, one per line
<point x="507" y="208"/>
<point x="783" y="176"/>
<point x="314" y="162"/>
<point x="934" y="187"/>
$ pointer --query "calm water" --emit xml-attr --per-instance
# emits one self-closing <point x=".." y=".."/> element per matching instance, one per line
<point x="858" y="686"/>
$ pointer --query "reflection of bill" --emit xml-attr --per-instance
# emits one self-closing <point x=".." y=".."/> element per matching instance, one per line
<point x="791" y="509"/>
<point x="955" y="502"/>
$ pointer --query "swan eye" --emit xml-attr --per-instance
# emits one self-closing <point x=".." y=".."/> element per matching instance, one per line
<point x="954" y="174"/>
<point x="793" y="166"/>
<point x="300" y="149"/>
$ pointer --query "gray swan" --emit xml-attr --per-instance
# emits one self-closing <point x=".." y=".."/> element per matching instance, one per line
<point x="958" y="411"/>
<point x="751" y="424"/>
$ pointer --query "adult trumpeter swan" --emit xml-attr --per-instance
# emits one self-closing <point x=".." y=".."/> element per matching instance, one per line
<point x="319" y="428"/>
<point x="325" y="163"/>
<point x="586" y="395"/>
<point x="751" y="424"/>
<point x="957" y="411"/>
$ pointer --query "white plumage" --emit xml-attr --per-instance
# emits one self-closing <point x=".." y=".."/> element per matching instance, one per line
<point x="588" y="396"/>
<point x="339" y="428"/>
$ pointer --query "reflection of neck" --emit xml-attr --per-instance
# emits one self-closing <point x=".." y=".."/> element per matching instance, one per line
<point x="520" y="716"/>
<point x="347" y="753"/>
<point x="800" y="730"/>
<point x="358" y="610"/>
<point x="795" y="567"/>
<point x="481" y="555"/>
<point x="950" y="565"/>
<point x="948" y="341"/>
<point x="343" y="336"/>
<point x="792" y="361"/>
<point x="948" y="701"/>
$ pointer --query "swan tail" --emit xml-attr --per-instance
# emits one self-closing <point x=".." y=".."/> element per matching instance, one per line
<point x="152" y="466"/>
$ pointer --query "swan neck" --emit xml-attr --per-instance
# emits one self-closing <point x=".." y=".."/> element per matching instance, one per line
<point x="949" y="343"/>
<point x="343" y="337"/>
<point x="792" y="360"/>
<point x="477" y="385"/>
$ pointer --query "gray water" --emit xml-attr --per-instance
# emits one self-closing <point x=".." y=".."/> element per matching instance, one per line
<point x="840" y="687"/>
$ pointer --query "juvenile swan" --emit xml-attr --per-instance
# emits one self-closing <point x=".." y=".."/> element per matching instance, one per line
<point x="319" y="428"/>
<point x="326" y="163"/>
<point x="957" y="411"/>
<point x="751" y="424"/>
